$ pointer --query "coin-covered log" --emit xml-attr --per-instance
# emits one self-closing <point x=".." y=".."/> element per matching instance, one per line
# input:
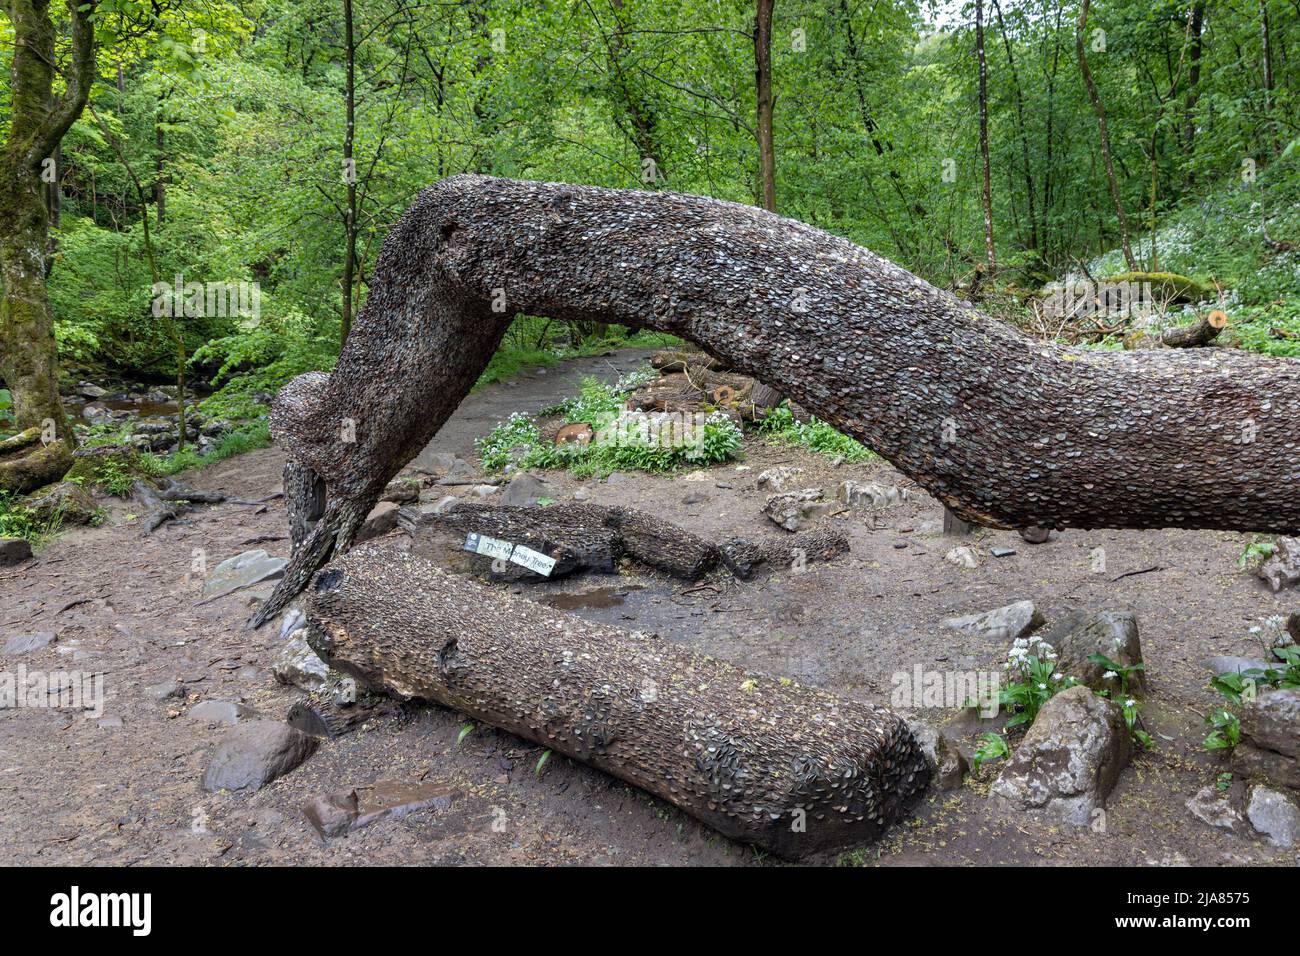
<point x="1004" y="430"/>
<point x="789" y="768"/>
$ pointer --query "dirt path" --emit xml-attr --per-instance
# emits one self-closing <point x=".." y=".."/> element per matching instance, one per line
<point x="124" y="788"/>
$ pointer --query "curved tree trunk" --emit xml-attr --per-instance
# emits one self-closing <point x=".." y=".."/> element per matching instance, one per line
<point x="1005" y="431"/>
<point x="790" y="768"/>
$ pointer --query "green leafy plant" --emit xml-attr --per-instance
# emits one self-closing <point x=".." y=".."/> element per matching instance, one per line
<point x="781" y="426"/>
<point x="1259" y="549"/>
<point x="1226" y="730"/>
<point x="991" y="747"/>
<point x="1035" y="679"/>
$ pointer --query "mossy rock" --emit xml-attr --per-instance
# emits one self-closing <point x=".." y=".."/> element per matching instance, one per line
<point x="1168" y="285"/>
<point x="110" y="467"/>
<point x="66" y="502"/>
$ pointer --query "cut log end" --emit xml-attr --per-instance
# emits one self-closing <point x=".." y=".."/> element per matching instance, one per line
<point x="789" y="768"/>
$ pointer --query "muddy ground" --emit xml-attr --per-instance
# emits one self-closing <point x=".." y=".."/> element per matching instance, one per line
<point x="125" y="788"/>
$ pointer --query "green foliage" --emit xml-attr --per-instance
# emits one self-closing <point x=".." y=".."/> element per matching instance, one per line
<point x="991" y="747"/>
<point x="780" y="426"/>
<point x="1226" y="730"/>
<point x="625" y="440"/>
<point x="254" y="434"/>
<point x="18" y="521"/>
<point x="1033" y="679"/>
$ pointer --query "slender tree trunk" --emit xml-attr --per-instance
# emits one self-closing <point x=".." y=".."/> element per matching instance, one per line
<point x="1104" y="135"/>
<point x="349" y="169"/>
<point x="1193" y="83"/>
<point x="37" y="123"/>
<point x="160" y="172"/>
<point x="989" y="251"/>
<point x="1023" y="134"/>
<point x="763" y="88"/>
<point x="1266" y="50"/>
<point x="1006" y="431"/>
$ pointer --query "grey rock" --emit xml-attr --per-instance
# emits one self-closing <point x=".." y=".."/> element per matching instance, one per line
<point x="91" y="390"/>
<point x="1112" y="633"/>
<point x="796" y="510"/>
<point x="523" y="489"/>
<point x="1213" y="806"/>
<point x="999" y="552"/>
<point x="27" y="643"/>
<point x="484" y="491"/>
<point x="68" y="502"/>
<point x="346" y="810"/>
<point x="14" y="551"/>
<point x="1035" y="535"/>
<point x="254" y="754"/>
<point x="402" y="491"/>
<point x="779" y="478"/>
<point x="614" y="477"/>
<point x="948" y="763"/>
<point x="1069" y="761"/>
<point x="1229" y="664"/>
<point x="1282" y="569"/>
<point x="220" y="712"/>
<point x="299" y="666"/>
<point x="95" y="413"/>
<point x="292" y="620"/>
<point x="1270" y="738"/>
<point x="695" y="498"/>
<point x="963" y="557"/>
<point x="381" y="520"/>
<point x="241" y="571"/>
<point x="871" y="495"/>
<point x="166" y="689"/>
<point x="1002" y="624"/>
<point x="1275" y="816"/>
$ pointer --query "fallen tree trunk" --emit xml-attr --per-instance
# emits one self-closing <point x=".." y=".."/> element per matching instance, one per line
<point x="586" y="537"/>
<point x="1200" y="333"/>
<point x="1005" y="431"/>
<point x="789" y="768"/>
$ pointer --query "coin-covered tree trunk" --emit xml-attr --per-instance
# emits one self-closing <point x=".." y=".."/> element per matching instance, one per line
<point x="1004" y="430"/>
<point x="789" y="768"/>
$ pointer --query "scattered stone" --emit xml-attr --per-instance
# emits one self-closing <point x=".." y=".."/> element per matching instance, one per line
<point x="524" y="489"/>
<point x="95" y="413"/>
<point x="165" y="690"/>
<point x="1112" y="633"/>
<point x="402" y="491"/>
<point x="614" y="477"/>
<point x="1000" y="552"/>
<point x="14" y="551"/>
<point x="109" y="723"/>
<point x="1275" y="816"/>
<point x="484" y="491"/>
<point x="299" y="666"/>
<point x="695" y="498"/>
<point x="1035" y="535"/>
<point x="1003" y="624"/>
<point x="872" y="495"/>
<point x="91" y="390"/>
<point x="346" y="810"/>
<point x="381" y="520"/>
<point x="1229" y="664"/>
<point x="221" y="712"/>
<point x="1213" y="806"/>
<point x="948" y="764"/>
<point x="27" y="643"/>
<point x="1282" y="569"/>
<point x="254" y="754"/>
<point x="241" y="571"/>
<point x="582" y="494"/>
<point x="796" y="510"/>
<point x="779" y="478"/>
<point x="292" y="620"/>
<point x="963" y="557"/>
<point x="1069" y="761"/>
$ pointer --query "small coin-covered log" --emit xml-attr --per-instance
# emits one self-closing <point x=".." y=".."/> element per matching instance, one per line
<point x="789" y="768"/>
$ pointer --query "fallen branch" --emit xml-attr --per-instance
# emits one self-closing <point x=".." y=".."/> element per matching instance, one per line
<point x="789" y="768"/>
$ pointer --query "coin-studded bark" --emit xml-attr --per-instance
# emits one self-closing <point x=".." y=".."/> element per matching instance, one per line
<point x="790" y="768"/>
<point x="1005" y="431"/>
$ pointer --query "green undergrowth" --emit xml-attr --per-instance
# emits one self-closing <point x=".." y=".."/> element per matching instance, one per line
<point x="782" y="427"/>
